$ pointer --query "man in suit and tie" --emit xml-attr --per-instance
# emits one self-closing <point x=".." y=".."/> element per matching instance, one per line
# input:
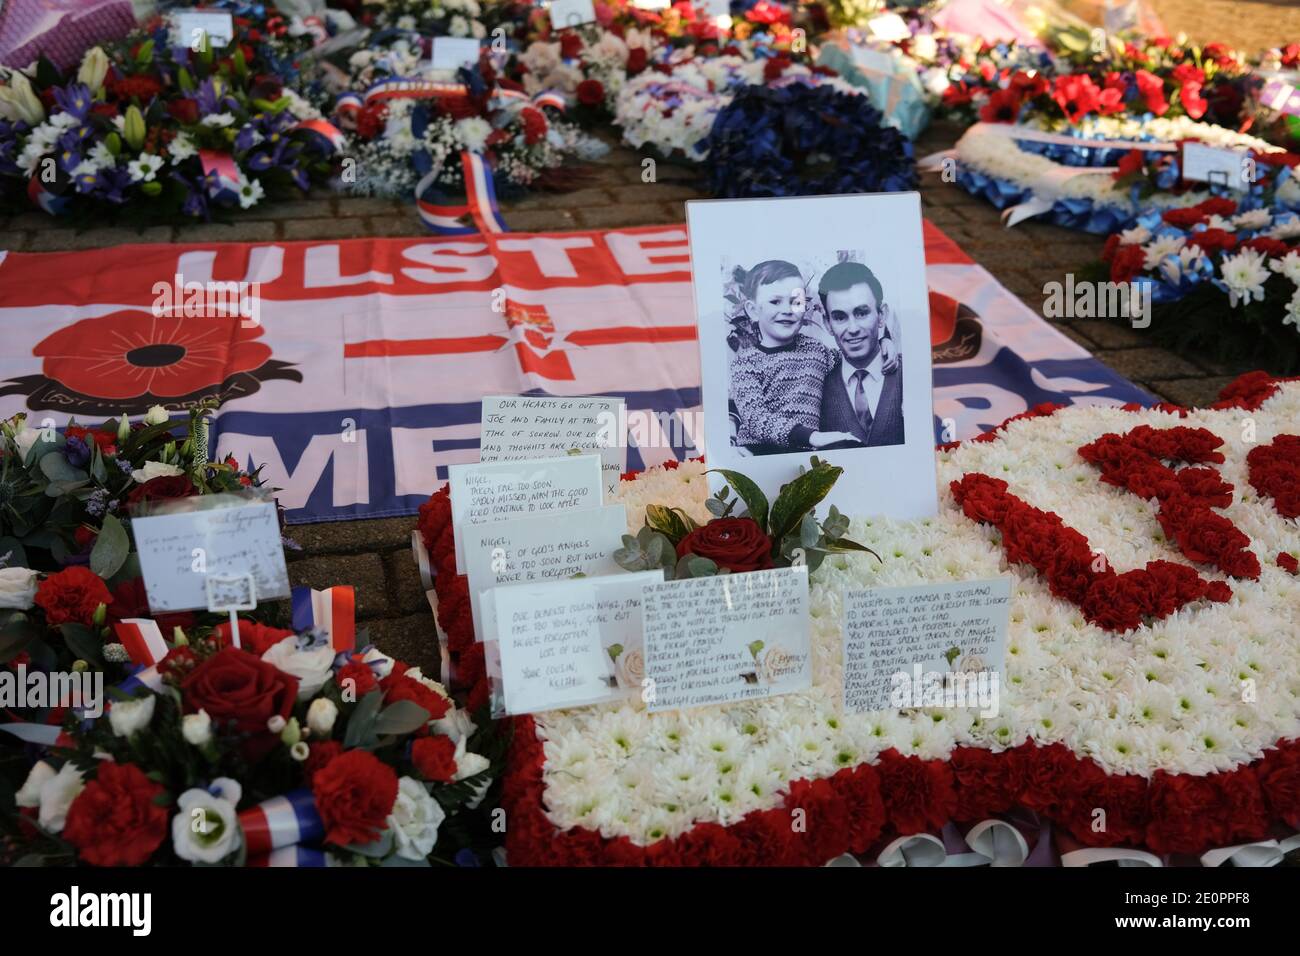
<point x="859" y="397"/>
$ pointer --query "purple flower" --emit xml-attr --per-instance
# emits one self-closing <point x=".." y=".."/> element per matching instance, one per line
<point x="74" y="99"/>
<point x="113" y="183"/>
<point x="77" y="452"/>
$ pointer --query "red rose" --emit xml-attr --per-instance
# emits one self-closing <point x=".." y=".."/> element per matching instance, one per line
<point x="591" y="93"/>
<point x="319" y="757"/>
<point x="71" y="596"/>
<point x="354" y="795"/>
<point x="114" y="820"/>
<point x="357" y="678"/>
<point x="737" y="544"/>
<point x="184" y="110"/>
<point x="254" y="638"/>
<point x="435" y="758"/>
<point x="570" y="45"/>
<point x="241" y="691"/>
<point x="400" y="687"/>
<point x="636" y="60"/>
<point x="163" y="488"/>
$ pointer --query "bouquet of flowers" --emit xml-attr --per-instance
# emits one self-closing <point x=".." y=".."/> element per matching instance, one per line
<point x="409" y="125"/>
<point x="67" y="566"/>
<point x="284" y="751"/>
<point x="1223" y="282"/>
<point x="154" y="130"/>
<point x="454" y="18"/>
<point x="783" y="533"/>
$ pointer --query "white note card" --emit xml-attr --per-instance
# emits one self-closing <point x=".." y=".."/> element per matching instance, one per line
<point x="1213" y="164"/>
<point x="451" y="53"/>
<point x="890" y="27"/>
<point x="517" y="427"/>
<point x="568" y="643"/>
<point x="192" y="24"/>
<point x="553" y="548"/>
<point x="927" y="645"/>
<point x="730" y="637"/>
<point x="570" y="13"/>
<point x="494" y="491"/>
<point x="229" y="540"/>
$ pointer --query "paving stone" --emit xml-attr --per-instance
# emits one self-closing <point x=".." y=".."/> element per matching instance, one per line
<point x="372" y="206"/>
<point x="1148" y="365"/>
<point x="631" y="214"/>
<point x="656" y="192"/>
<point x="1197" y="392"/>
<point x="541" y="220"/>
<point x="240" y="231"/>
<point x="328" y="228"/>
<point x="397" y="226"/>
<point x="59" y="240"/>
<point x="353" y="537"/>
<point x="1114" y="333"/>
<point x="406" y="590"/>
<point x="575" y="199"/>
<point x="314" y="208"/>
<point x="365" y="572"/>
<point x="411" y="638"/>
<point x="1077" y="334"/>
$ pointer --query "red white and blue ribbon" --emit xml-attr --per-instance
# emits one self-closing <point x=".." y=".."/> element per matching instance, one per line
<point x="43" y="735"/>
<point x="442" y="216"/>
<point x="324" y="131"/>
<point x="142" y="639"/>
<point x="399" y="88"/>
<point x="549" y="98"/>
<point x="301" y="856"/>
<point x="39" y="195"/>
<point x="332" y="610"/>
<point x="222" y="166"/>
<point x="348" y="103"/>
<point x="144" y="677"/>
<point x="281" y="822"/>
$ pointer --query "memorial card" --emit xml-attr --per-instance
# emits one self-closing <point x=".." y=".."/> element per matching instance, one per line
<point x="451" y="53"/>
<point x="570" y="13"/>
<point x="927" y="645"/>
<point x="726" y="638"/>
<point x="229" y="538"/>
<point x="814" y="328"/>
<point x="521" y="426"/>
<point x="552" y="548"/>
<point x="1218" y="165"/>
<point x="569" y="642"/>
<point x="193" y="25"/>
<point x="496" y="491"/>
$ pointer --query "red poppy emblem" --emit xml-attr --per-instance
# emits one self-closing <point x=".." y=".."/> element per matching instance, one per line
<point x="132" y="353"/>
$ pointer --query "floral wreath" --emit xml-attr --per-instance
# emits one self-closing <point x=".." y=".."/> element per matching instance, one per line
<point x="1114" y="186"/>
<point x="802" y="139"/>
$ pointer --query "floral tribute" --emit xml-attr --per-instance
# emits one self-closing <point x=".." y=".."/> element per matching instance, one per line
<point x="283" y="751"/>
<point x="154" y="131"/>
<point x="1223" y="281"/>
<point x="1144" y="718"/>
<point x="68" y="570"/>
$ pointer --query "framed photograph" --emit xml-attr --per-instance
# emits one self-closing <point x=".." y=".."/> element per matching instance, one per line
<point x="814" y="329"/>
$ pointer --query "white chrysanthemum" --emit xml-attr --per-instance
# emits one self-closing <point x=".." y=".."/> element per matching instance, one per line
<point x="1244" y="274"/>
<point x="1253" y="219"/>
<point x="1137" y="236"/>
<point x="1158" y="249"/>
<point x="181" y="148"/>
<point x="1288" y="265"/>
<point x="1292" y="316"/>
<point x="473" y="133"/>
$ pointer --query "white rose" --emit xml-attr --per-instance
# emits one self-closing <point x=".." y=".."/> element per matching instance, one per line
<point x="57" y="795"/>
<point x="206" y="826"/>
<point x="311" y="665"/>
<point x="29" y="795"/>
<point x="156" y="416"/>
<point x="128" y="716"/>
<point x="17" y="588"/>
<point x="155" y="469"/>
<point x="197" y="728"/>
<point x="321" y="716"/>
<point x="94" y="67"/>
<point x="414" y="820"/>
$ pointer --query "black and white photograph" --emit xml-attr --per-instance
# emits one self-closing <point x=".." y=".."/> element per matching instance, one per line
<point x="814" y="340"/>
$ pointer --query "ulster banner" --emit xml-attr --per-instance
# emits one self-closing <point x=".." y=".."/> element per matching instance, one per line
<point x="352" y="370"/>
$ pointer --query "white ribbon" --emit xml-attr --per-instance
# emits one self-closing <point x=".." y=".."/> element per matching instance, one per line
<point x="919" y="849"/>
<point x="934" y="162"/>
<point x="998" y="842"/>
<point x="421" y="555"/>
<point x="1124" y="856"/>
<point x="1263" y="853"/>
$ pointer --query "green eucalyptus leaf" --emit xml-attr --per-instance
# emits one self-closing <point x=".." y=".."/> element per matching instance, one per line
<point x="716" y="507"/>
<point x="361" y="725"/>
<point x="809" y="532"/>
<point x="750" y="493"/>
<point x="401" y="717"/>
<point x="84" y="643"/>
<point x="701" y="567"/>
<point x="56" y="468"/>
<point x="111" y="548"/>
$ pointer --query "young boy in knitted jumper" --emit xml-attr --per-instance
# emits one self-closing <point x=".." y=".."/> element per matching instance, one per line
<point x="777" y="373"/>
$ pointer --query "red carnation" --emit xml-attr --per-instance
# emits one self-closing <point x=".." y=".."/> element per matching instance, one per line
<point x="1268" y="246"/>
<point x="1288" y="563"/>
<point x="534" y="124"/>
<point x="1211" y="240"/>
<point x="319" y="756"/>
<point x="142" y="88"/>
<point x="400" y="687"/>
<point x="370" y="120"/>
<point x="114" y="821"/>
<point x="184" y="110"/>
<point x="72" y="596"/>
<point x="591" y="93"/>
<point x="774" y="67"/>
<point x="918" y="794"/>
<point x="1128" y="262"/>
<point x="570" y="45"/>
<point x="1187" y="814"/>
<point x="987" y="783"/>
<point x="434" y="757"/>
<point x="354" y="794"/>
<point x="636" y="60"/>
<point x="1279" y="780"/>
<point x="357" y="678"/>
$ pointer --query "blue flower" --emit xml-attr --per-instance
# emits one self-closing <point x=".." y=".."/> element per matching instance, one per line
<point x="74" y="99"/>
<point x="77" y="452"/>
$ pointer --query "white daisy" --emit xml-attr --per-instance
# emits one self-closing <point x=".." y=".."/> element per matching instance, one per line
<point x="1160" y="248"/>
<point x="250" y="192"/>
<point x="145" y="168"/>
<point x="1244" y="274"/>
<point x="218" y="120"/>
